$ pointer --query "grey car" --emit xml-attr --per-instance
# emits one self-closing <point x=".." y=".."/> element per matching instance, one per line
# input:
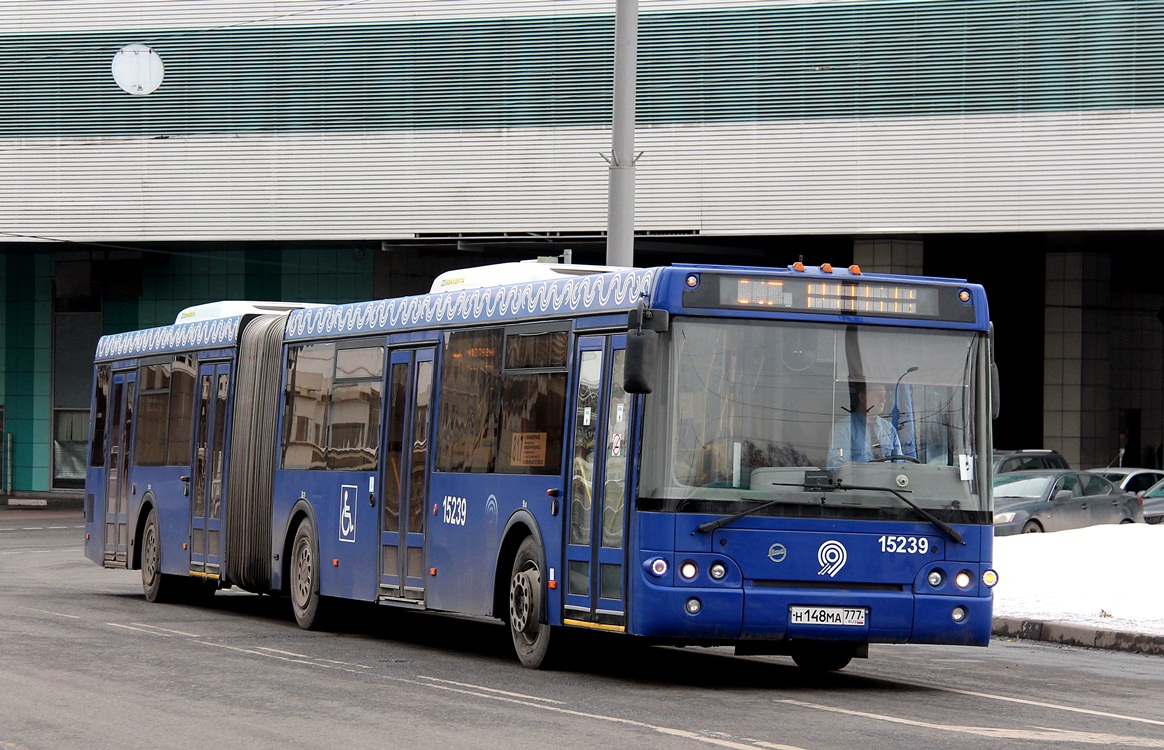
<point x="1153" y="499"/>
<point x="1039" y="500"/>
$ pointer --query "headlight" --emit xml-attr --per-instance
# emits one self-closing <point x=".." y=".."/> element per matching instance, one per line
<point x="1004" y="517"/>
<point x="963" y="579"/>
<point x="688" y="570"/>
<point x="935" y="578"/>
<point x="717" y="571"/>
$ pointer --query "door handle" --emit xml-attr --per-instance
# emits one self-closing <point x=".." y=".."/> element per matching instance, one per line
<point x="372" y="499"/>
<point x="186" y="485"/>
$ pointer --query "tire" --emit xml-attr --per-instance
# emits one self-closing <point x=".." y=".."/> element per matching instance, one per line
<point x="1032" y="527"/>
<point x="531" y="637"/>
<point x="152" y="579"/>
<point x="823" y="657"/>
<point x="304" y="577"/>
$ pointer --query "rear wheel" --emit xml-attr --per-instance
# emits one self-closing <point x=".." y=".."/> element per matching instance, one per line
<point x="304" y="581"/>
<point x="823" y="657"/>
<point x="1032" y="527"/>
<point x="531" y="638"/>
<point x="151" y="560"/>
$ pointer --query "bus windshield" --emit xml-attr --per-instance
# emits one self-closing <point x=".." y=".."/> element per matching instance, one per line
<point x="752" y="410"/>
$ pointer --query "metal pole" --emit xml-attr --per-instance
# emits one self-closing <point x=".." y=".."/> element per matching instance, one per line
<point x="620" y="222"/>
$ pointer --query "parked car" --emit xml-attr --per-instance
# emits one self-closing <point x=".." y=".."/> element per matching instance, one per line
<point x="1129" y="479"/>
<point x="1033" y="501"/>
<point x="1153" y="499"/>
<point x="1030" y="458"/>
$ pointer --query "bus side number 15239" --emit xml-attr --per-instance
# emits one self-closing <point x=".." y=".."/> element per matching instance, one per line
<point x="905" y="545"/>
<point x="455" y="510"/>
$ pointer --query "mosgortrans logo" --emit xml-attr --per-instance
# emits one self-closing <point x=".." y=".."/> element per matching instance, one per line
<point x="832" y="556"/>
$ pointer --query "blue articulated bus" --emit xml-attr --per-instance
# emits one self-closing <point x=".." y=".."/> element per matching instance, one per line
<point x="786" y="461"/>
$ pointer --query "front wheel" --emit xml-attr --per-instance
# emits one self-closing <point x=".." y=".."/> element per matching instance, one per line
<point x="531" y="637"/>
<point x="304" y="572"/>
<point x="1031" y="527"/>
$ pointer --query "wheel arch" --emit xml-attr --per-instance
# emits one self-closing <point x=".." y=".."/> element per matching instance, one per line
<point x="148" y="503"/>
<point x="299" y="511"/>
<point x="521" y="524"/>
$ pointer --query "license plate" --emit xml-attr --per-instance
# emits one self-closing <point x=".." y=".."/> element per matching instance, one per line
<point x="826" y="615"/>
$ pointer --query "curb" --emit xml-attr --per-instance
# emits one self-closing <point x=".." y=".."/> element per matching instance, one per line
<point x="1078" y="635"/>
<point x="45" y="502"/>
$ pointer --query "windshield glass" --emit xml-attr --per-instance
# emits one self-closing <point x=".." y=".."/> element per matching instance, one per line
<point x="750" y="408"/>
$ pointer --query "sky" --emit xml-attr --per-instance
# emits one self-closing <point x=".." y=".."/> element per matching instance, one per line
<point x="1110" y="577"/>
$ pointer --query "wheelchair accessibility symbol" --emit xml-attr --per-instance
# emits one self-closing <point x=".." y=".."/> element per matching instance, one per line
<point x="347" y="515"/>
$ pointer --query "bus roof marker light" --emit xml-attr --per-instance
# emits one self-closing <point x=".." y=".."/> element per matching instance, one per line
<point x="692" y="280"/>
<point x="855" y="269"/>
<point x="964" y="296"/>
<point x="798" y="266"/>
<point x="826" y="267"/>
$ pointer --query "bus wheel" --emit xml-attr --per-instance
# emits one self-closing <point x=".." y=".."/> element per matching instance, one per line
<point x="305" y="577"/>
<point x="531" y="638"/>
<point x="823" y="657"/>
<point x="151" y="559"/>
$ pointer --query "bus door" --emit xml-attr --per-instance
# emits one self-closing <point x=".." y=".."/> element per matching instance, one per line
<point x="117" y="479"/>
<point x="206" y="482"/>
<point x="597" y="521"/>
<point x="406" y="449"/>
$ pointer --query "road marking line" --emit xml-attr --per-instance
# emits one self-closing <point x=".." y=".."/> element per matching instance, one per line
<point x="166" y="630"/>
<point x="1037" y="733"/>
<point x="719" y="740"/>
<point x="492" y="690"/>
<point x="140" y="630"/>
<point x="500" y="695"/>
<point x="1026" y="702"/>
<point x="314" y="658"/>
<point x="50" y="612"/>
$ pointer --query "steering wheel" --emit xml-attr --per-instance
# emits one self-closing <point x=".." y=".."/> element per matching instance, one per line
<point x="895" y="458"/>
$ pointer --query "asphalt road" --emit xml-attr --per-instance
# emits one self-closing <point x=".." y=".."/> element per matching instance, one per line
<point x="85" y="662"/>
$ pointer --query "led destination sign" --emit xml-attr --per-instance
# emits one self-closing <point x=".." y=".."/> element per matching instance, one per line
<point x="850" y="296"/>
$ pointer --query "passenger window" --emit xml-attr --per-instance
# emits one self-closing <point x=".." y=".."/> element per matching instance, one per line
<point x="1096" y="486"/>
<point x="1069" y="482"/>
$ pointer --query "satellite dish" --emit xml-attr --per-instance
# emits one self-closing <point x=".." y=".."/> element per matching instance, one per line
<point x="138" y="70"/>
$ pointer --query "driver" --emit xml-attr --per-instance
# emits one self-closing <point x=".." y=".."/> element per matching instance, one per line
<point x="863" y="434"/>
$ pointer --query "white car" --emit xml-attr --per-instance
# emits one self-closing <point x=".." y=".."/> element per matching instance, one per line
<point x="1130" y="479"/>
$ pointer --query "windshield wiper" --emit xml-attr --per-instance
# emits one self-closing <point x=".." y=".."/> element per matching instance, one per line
<point x="814" y="482"/>
<point x="947" y="528"/>
<point x="703" y="528"/>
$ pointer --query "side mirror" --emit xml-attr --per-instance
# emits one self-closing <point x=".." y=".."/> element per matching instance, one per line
<point x="642" y="346"/>
<point x="1062" y="495"/>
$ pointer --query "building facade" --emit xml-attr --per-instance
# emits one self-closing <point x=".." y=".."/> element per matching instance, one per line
<point x="164" y="153"/>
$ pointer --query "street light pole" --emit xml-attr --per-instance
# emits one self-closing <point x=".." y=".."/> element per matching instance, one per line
<point x="620" y="216"/>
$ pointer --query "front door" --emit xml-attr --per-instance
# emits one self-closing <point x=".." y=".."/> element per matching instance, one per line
<point x="207" y="474"/>
<point x="597" y="522"/>
<point x="117" y="463"/>
<point x="406" y="449"/>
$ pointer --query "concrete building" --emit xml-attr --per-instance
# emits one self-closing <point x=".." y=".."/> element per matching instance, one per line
<point x="161" y="153"/>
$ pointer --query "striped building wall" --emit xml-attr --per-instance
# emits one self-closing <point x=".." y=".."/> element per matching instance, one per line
<point x="313" y="119"/>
